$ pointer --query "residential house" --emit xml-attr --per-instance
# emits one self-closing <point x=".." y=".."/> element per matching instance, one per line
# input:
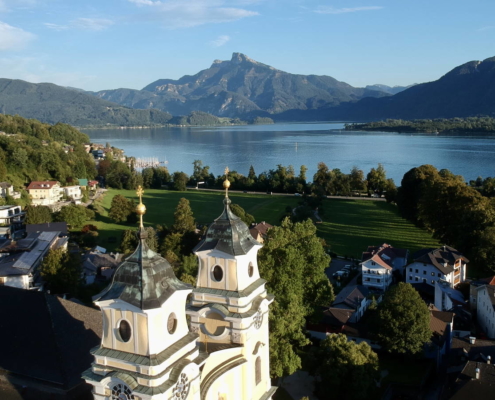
<point x="6" y="189"/>
<point x="98" y="265"/>
<point x="356" y="298"/>
<point x="20" y="261"/>
<point x="378" y="263"/>
<point x="473" y="289"/>
<point x="476" y="381"/>
<point x="258" y="231"/>
<point x="469" y="349"/>
<point x="48" y="227"/>
<point x="72" y="192"/>
<point x="446" y="297"/>
<point x="441" y="326"/>
<point x="431" y="265"/>
<point x="45" y="193"/>
<point x="11" y="215"/>
<point x="46" y="345"/>
<point x="485" y="307"/>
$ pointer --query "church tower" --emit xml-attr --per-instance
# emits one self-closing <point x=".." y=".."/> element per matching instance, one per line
<point x="147" y="351"/>
<point x="229" y="311"/>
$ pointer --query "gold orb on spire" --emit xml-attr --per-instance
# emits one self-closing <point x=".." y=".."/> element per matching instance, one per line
<point x="226" y="182"/>
<point x="140" y="208"/>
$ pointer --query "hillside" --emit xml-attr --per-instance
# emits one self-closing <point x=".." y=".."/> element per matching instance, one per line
<point x="50" y="103"/>
<point x="237" y="87"/>
<point x="467" y="90"/>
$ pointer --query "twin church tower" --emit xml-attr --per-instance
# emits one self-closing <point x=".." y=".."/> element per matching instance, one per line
<point x="165" y="340"/>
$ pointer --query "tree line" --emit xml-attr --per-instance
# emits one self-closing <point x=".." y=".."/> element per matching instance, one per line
<point x="452" y="125"/>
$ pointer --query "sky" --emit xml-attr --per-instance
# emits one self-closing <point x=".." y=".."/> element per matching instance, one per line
<point x="109" y="44"/>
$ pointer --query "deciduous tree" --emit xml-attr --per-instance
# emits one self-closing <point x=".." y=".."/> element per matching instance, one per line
<point x="120" y="208"/>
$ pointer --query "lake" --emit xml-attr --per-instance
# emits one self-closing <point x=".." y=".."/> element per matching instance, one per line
<point x="265" y="146"/>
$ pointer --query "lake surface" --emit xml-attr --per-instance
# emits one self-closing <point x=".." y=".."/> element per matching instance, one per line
<point x="265" y="146"/>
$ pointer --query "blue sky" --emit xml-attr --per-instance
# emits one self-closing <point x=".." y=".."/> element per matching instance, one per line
<point x="107" y="44"/>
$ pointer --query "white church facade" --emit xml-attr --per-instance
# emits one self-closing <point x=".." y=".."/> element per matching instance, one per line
<point x="165" y="340"/>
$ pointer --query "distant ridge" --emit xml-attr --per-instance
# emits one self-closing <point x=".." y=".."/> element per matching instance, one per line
<point x="50" y="103"/>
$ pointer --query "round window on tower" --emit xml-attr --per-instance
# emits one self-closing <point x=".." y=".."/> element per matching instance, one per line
<point x="125" y="330"/>
<point x="172" y="323"/>
<point x="250" y="270"/>
<point x="121" y="392"/>
<point x="217" y="273"/>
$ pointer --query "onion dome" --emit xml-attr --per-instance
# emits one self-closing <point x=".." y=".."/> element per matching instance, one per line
<point x="145" y="279"/>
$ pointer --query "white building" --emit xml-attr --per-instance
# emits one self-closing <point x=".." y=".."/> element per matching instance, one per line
<point x="446" y="297"/>
<point x="6" y="189"/>
<point x="10" y="215"/>
<point x="148" y="352"/>
<point x="72" y="192"/>
<point x="431" y="265"/>
<point x="44" y="193"/>
<point x="20" y="262"/>
<point x="379" y="262"/>
<point x="485" y="306"/>
<point x="356" y="298"/>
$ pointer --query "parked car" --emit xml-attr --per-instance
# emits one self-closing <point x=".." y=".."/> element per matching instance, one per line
<point x="342" y="274"/>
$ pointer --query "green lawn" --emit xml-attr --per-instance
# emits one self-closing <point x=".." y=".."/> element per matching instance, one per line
<point x="349" y="225"/>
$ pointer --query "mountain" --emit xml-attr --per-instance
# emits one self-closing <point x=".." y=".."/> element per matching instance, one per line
<point x="388" y="89"/>
<point x="237" y="87"/>
<point x="467" y="90"/>
<point x="50" y="103"/>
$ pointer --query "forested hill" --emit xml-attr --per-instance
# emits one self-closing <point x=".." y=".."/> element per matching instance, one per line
<point x="51" y="104"/>
<point x="31" y="150"/>
<point x="238" y="86"/>
<point x="467" y="90"/>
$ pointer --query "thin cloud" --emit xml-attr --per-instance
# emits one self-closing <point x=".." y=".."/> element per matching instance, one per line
<point x="12" y="38"/>
<point x="56" y="27"/>
<point x="180" y="14"/>
<point x="333" y="10"/>
<point x="220" y="41"/>
<point x="486" y="28"/>
<point x="92" y="24"/>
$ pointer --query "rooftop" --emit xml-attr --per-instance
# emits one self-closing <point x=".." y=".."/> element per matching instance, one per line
<point x="351" y="296"/>
<point x="442" y="258"/>
<point x="42" y="185"/>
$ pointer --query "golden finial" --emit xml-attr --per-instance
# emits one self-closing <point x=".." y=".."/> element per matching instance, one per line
<point x="140" y="208"/>
<point x="226" y="182"/>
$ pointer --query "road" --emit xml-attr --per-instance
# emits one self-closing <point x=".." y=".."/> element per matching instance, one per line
<point x="285" y="194"/>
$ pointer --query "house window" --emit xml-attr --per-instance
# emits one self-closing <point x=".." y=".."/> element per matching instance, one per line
<point x="410" y="278"/>
<point x="367" y="279"/>
<point x="416" y="279"/>
<point x="257" y="370"/>
<point x="432" y="274"/>
<point x="424" y="272"/>
<point x="439" y="275"/>
<point x="2" y="280"/>
<point x="410" y="269"/>
<point x="432" y="282"/>
<point x="416" y="271"/>
<point x="424" y="280"/>
<point x="372" y="263"/>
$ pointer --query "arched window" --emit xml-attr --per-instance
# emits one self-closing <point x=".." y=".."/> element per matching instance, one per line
<point x="257" y="370"/>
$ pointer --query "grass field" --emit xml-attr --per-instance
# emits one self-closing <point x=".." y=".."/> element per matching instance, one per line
<point x="349" y="225"/>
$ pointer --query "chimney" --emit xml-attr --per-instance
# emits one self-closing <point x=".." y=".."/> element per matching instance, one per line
<point x="472" y="340"/>
<point x="489" y="360"/>
<point x="477" y="373"/>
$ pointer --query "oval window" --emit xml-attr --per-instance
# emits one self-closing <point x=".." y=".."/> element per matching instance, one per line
<point x="250" y="270"/>
<point x="218" y="273"/>
<point x="172" y="323"/>
<point x="125" y="330"/>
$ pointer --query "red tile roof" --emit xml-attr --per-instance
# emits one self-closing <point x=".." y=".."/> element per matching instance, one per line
<point x="376" y="253"/>
<point x="42" y="185"/>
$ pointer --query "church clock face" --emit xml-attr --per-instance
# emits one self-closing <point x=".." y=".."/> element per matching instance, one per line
<point x="121" y="392"/>
<point x="258" y="319"/>
<point x="182" y="388"/>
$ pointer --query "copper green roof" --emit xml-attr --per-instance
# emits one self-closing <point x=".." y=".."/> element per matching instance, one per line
<point x="145" y="279"/>
<point x="228" y="233"/>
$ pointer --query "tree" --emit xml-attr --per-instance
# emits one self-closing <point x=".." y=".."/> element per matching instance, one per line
<point x="248" y="219"/>
<point x="180" y="181"/>
<point x="390" y="191"/>
<point x="340" y="362"/>
<point x="402" y="321"/>
<point x="183" y="217"/>
<point x="357" y="181"/>
<point x="377" y="179"/>
<point x="293" y="262"/>
<point x="120" y="208"/>
<point x="62" y="271"/>
<point x="119" y="176"/>
<point x="74" y="215"/>
<point x="38" y="214"/>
